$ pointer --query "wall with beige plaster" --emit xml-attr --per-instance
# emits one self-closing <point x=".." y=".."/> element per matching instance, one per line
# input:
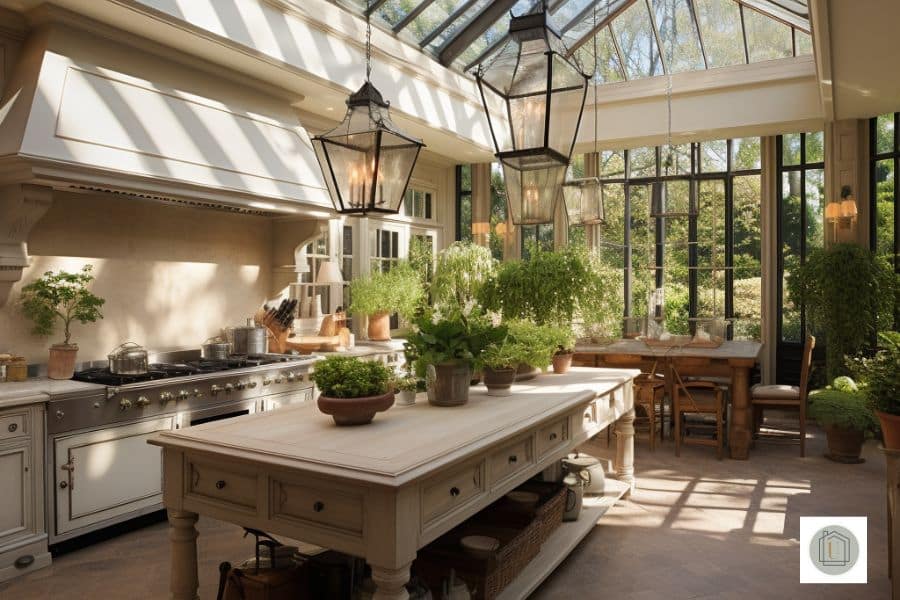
<point x="171" y="276"/>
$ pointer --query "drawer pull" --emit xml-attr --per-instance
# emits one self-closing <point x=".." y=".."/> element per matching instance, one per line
<point x="587" y="416"/>
<point x="552" y="436"/>
<point x="12" y="427"/>
<point x="454" y="491"/>
<point x="220" y="484"/>
<point x="513" y="459"/>
<point x="24" y="561"/>
<point x="319" y="506"/>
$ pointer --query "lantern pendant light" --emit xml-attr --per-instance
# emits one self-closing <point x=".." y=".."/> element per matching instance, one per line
<point x="583" y="197"/>
<point x="366" y="160"/>
<point x="533" y="90"/>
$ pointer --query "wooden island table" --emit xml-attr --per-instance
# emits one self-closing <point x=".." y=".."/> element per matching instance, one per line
<point x="734" y="359"/>
<point x="383" y="491"/>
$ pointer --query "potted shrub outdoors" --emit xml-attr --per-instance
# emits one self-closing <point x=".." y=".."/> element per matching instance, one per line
<point x="381" y="293"/>
<point x="352" y="390"/>
<point x="63" y="296"/>
<point x="846" y="290"/>
<point x="880" y="376"/>
<point x="447" y="346"/>
<point x="842" y="411"/>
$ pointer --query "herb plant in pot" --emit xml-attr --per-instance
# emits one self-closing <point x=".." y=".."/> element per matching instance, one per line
<point x="381" y="293"/>
<point x="501" y="361"/>
<point x="880" y="376"/>
<point x="565" y="350"/>
<point x="352" y="390"/>
<point x="539" y="343"/>
<point x="406" y="386"/>
<point x="842" y="411"/>
<point x="65" y="297"/>
<point x="447" y="346"/>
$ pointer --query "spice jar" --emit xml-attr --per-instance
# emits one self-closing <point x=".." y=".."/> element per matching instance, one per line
<point x="17" y="369"/>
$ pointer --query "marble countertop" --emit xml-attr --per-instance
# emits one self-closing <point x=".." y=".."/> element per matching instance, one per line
<point x="367" y="348"/>
<point x="40" y="389"/>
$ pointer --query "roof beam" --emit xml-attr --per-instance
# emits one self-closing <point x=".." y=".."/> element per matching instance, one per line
<point x="446" y="23"/>
<point x="373" y="7"/>
<point x="613" y="9"/>
<point x="412" y="15"/>
<point x="482" y="21"/>
<point x="775" y="10"/>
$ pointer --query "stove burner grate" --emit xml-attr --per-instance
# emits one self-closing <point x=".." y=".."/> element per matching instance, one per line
<point x="156" y="371"/>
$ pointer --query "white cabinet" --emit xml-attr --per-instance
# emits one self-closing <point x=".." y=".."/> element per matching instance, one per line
<point x="23" y="538"/>
<point x="287" y="398"/>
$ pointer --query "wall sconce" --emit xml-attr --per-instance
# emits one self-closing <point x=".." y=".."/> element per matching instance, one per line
<point x="842" y="213"/>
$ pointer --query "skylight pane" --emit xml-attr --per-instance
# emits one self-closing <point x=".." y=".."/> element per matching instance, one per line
<point x="568" y="10"/>
<point x="495" y="32"/>
<point x="453" y="28"/>
<point x="393" y="11"/>
<point x="678" y="35"/>
<point x="767" y="39"/>
<point x="804" y="43"/>
<point x="723" y="38"/>
<point x="638" y="42"/>
<point x="436" y="13"/>
<point x="608" y="69"/>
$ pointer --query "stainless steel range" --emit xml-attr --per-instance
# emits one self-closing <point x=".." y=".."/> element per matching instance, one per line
<point x="98" y="462"/>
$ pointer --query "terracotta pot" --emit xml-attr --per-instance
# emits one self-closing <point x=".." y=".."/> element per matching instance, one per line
<point x="62" y="361"/>
<point x="447" y="384"/>
<point x="525" y="372"/>
<point x="354" y="411"/>
<point x="498" y="382"/>
<point x="890" y="429"/>
<point x="379" y="327"/>
<point x="844" y="445"/>
<point x="562" y="362"/>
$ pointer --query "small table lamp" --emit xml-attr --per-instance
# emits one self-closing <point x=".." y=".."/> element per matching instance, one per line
<point x="329" y="273"/>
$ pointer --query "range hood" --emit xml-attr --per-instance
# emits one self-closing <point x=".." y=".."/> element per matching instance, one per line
<point x="85" y="113"/>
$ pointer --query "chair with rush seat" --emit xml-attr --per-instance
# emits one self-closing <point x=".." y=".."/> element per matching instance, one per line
<point x="698" y="398"/>
<point x="785" y="396"/>
<point x="649" y="398"/>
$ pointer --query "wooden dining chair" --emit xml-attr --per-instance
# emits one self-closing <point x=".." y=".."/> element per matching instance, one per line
<point x="649" y="397"/>
<point x="785" y="396"/>
<point x="703" y="398"/>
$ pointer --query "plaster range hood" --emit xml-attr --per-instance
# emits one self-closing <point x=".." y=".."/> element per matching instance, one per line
<point x="85" y="113"/>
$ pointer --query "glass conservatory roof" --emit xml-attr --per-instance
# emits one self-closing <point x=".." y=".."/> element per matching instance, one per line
<point x="633" y="38"/>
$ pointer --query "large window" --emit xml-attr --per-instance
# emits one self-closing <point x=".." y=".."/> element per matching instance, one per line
<point x="707" y="261"/>
<point x="885" y="172"/>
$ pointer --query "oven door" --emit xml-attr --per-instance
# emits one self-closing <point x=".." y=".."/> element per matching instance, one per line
<point x="216" y="413"/>
<point x="287" y="398"/>
<point x="106" y="475"/>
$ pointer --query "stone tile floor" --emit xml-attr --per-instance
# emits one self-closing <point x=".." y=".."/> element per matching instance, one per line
<point x="695" y="528"/>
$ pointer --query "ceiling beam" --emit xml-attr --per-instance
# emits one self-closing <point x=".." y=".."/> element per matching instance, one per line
<point x="819" y="20"/>
<point x="446" y="23"/>
<point x="613" y="10"/>
<point x="479" y="24"/>
<point x="421" y="6"/>
<point x="373" y="6"/>
<point x="775" y="10"/>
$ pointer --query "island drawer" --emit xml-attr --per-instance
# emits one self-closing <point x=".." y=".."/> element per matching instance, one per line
<point x="552" y="436"/>
<point x="309" y="503"/>
<point x="230" y="486"/>
<point x="441" y="496"/>
<point x="13" y="425"/>
<point x="511" y="458"/>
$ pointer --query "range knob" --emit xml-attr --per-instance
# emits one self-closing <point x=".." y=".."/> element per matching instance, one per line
<point x="215" y="389"/>
<point x="240" y="385"/>
<point x="198" y="393"/>
<point x="183" y="394"/>
<point x="267" y="381"/>
<point x="228" y="388"/>
<point x="278" y="379"/>
<point x="124" y="404"/>
<point x="142" y="401"/>
<point x="291" y="377"/>
<point x="251" y="384"/>
<point x="166" y="397"/>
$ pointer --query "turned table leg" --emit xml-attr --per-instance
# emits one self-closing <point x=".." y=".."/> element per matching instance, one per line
<point x="390" y="584"/>
<point x="183" y="555"/>
<point x="739" y="438"/>
<point x="625" y="450"/>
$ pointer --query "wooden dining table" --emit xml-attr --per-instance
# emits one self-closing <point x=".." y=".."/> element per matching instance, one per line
<point x="733" y="359"/>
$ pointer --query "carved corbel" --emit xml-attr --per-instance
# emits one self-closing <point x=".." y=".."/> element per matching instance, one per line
<point x="21" y="206"/>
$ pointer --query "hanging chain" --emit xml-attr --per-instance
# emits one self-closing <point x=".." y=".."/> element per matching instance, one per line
<point x="669" y="29"/>
<point x="368" y="42"/>
<point x="594" y="82"/>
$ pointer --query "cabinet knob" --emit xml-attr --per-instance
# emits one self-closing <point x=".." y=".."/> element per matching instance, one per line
<point x="319" y="506"/>
<point x="24" y="561"/>
<point x="454" y="491"/>
<point x="513" y="459"/>
<point x="63" y="485"/>
<point x="220" y="484"/>
<point x="12" y="427"/>
<point x="552" y="436"/>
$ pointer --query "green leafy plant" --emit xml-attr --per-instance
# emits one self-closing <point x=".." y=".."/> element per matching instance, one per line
<point x="880" y="374"/>
<point x="61" y="296"/>
<point x="349" y="377"/>
<point x="407" y="383"/>
<point x="602" y="302"/>
<point x="507" y="354"/>
<point x="539" y="342"/>
<point x="397" y="290"/>
<point x="462" y="269"/>
<point x="844" y="409"/>
<point x="844" y="289"/>
<point x="458" y="335"/>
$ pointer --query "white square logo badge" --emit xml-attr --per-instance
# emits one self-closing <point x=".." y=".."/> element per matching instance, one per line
<point x="833" y="550"/>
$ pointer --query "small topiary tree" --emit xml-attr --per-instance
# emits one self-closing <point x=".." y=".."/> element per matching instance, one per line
<point x="61" y="296"/>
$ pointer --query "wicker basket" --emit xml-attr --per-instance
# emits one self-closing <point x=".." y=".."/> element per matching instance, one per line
<point x="520" y="535"/>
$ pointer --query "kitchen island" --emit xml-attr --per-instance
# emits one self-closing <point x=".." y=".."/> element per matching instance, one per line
<point x="384" y="490"/>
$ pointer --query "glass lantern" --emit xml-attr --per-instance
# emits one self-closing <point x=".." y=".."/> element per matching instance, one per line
<point x="584" y="201"/>
<point x="531" y="195"/>
<point x="366" y="160"/>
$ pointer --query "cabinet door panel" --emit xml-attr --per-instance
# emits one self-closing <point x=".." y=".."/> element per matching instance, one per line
<point x="15" y="496"/>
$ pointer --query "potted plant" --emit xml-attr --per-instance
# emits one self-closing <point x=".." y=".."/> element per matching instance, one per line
<point x="447" y="346"/>
<point x="65" y="297"/>
<point x="842" y="411"/>
<point x="406" y="386"/>
<point x="845" y="290"/>
<point x="539" y="343"/>
<point x="462" y="269"/>
<point x="564" y="340"/>
<point x="352" y="390"/>
<point x="381" y="293"/>
<point x="880" y="375"/>
<point x="501" y="360"/>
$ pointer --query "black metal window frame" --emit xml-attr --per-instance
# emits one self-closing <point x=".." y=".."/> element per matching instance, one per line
<point x="461" y="196"/>
<point x="693" y="178"/>
<point x="875" y="158"/>
<point x="780" y="169"/>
